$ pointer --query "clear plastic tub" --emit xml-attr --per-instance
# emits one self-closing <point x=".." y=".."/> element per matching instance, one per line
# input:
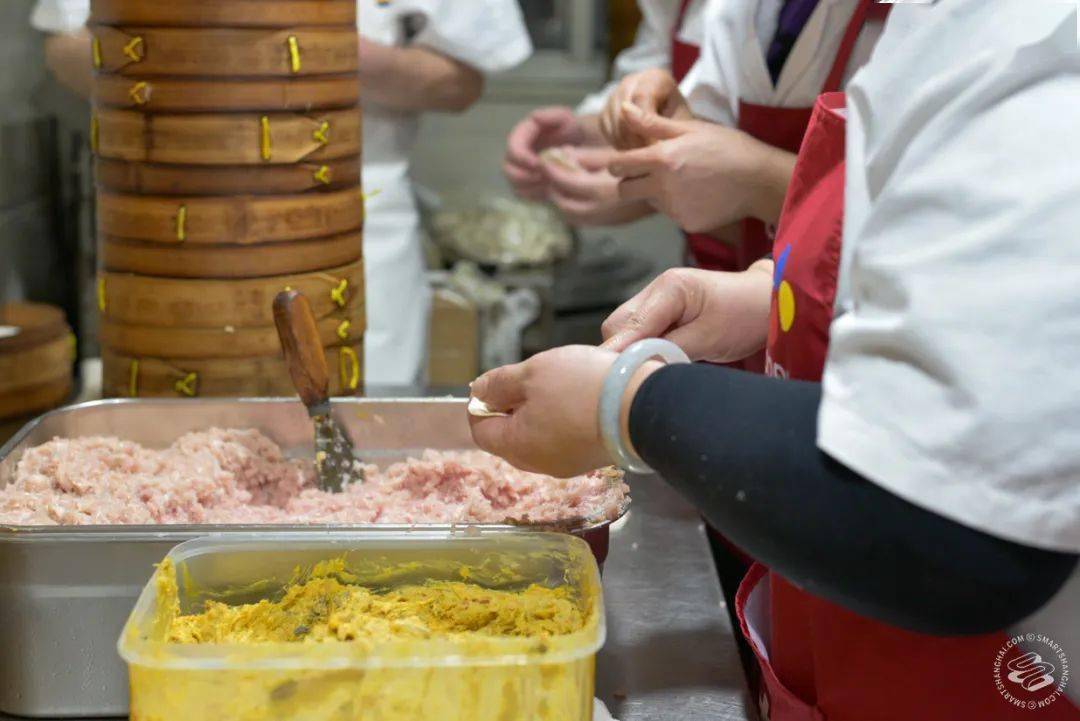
<point x="496" y="679"/>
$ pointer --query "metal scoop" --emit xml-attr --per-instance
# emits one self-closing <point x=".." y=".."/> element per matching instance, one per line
<point x="299" y="334"/>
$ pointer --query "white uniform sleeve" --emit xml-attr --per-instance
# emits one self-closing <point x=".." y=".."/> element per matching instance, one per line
<point x="651" y="49"/>
<point x="60" y="16"/>
<point x="952" y="377"/>
<point x="711" y="87"/>
<point x="489" y="35"/>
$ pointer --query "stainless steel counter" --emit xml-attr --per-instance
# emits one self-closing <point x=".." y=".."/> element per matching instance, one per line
<point x="669" y="652"/>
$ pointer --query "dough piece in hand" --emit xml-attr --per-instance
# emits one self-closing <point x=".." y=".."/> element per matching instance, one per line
<point x="560" y="157"/>
<point x="481" y="409"/>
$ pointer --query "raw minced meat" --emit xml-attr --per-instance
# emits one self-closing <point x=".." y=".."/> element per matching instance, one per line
<point x="233" y="476"/>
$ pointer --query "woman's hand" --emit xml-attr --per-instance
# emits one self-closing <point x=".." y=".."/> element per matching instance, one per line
<point x="540" y="130"/>
<point x="713" y="316"/>
<point x="585" y="193"/>
<point x="652" y="91"/>
<point x="552" y="399"/>
<point x="702" y="175"/>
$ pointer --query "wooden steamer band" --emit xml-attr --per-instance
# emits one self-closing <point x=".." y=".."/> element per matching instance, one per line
<point x="220" y="139"/>
<point x="35" y="363"/>
<point x="156" y="179"/>
<point x="128" y="376"/>
<point x="229" y="261"/>
<point x="184" y="95"/>
<point x="227" y="342"/>
<point x="224" y="13"/>
<point x="166" y="302"/>
<point x="225" y="52"/>
<point x="242" y="220"/>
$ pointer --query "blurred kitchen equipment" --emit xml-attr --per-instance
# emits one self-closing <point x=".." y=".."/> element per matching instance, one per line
<point x="335" y="463"/>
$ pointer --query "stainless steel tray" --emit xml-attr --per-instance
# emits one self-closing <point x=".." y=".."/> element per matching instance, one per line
<point x="65" y="591"/>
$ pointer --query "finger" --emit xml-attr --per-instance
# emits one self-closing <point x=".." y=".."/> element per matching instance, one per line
<point x="692" y="339"/>
<point x="635" y="163"/>
<point x="498" y="436"/>
<point x="568" y="184"/>
<point x="646" y="188"/>
<point x="573" y="210"/>
<point x="592" y="158"/>
<point x="548" y="118"/>
<point x="650" y="125"/>
<point x="519" y="175"/>
<point x="617" y="320"/>
<point x="520" y="144"/>
<point x="503" y="389"/>
<point x="658" y="312"/>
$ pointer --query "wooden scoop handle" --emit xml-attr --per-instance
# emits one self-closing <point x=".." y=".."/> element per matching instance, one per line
<point x="302" y="346"/>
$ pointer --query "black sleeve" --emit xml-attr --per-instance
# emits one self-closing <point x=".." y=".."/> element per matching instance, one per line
<point x="742" y="448"/>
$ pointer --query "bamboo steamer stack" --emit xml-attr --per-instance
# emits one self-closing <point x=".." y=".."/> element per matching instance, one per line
<point x="36" y="359"/>
<point x="227" y="140"/>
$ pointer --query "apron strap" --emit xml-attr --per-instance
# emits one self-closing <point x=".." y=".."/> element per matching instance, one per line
<point x="867" y="9"/>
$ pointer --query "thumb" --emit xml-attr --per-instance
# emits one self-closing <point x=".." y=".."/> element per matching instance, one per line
<point x="551" y="117"/>
<point x="651" y="126"/>
<point x="502" y="389"/>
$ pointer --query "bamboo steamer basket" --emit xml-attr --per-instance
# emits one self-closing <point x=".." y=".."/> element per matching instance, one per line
<point x="184" y="95"/>
<point x="242" y="220"/>
<point x="127" y="376"/>
<point x="224" y="52"/>
<point x="228" y="342"/>
<point x="156" y="179"/>
<point x="229" y="261"/>
<point x="171" y="303"/>
<point x="224" y="13"/>
<point x="36" y="362"/>
<point x="226" y="139"/>
<point x="32" y="400"/>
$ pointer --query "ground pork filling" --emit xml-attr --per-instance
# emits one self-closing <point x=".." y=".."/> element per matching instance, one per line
<point x="229" y="476"/>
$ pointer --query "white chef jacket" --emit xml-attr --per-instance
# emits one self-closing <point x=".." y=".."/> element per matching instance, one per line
<point x="489" y="35"/>
<point x="952" y="378"/>
<point x="733" y="63"/>
<point x="652" y="44"/>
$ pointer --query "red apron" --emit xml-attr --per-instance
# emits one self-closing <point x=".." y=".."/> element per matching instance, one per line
<point x="820" y="662"/>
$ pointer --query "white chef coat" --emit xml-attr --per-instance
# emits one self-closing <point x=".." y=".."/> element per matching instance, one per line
<point x="489" y="35"/>
<point x="952" y="378"/>
<point x="60" y="16"/>
<point x="733" y="58"/>
<point x="652" y="44"/>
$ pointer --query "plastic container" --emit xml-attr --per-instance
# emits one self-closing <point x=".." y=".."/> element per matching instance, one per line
<point x="496" y="679"/>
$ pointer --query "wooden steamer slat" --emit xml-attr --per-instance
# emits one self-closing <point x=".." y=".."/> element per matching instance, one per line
<point x="167" y="302"/>
<point x="224" y="13"/>
<point x="219" y="139"/>
<point x="227" y="342"/>
<point x="226" y="52"/>
<point x="158" y="179"/>
<point x="229" y="261"/>
<point x="243" y="220"/>
<point x="126" y="376"/>
<point x="196" y="95"/>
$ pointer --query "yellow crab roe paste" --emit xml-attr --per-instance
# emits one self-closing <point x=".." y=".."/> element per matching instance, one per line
<point x="328" y="608"/>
